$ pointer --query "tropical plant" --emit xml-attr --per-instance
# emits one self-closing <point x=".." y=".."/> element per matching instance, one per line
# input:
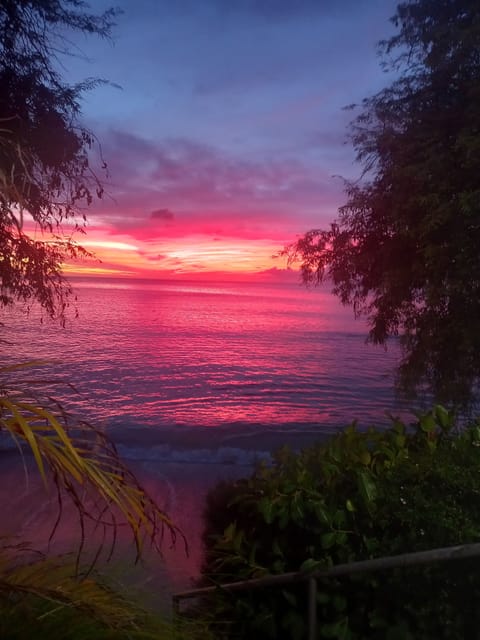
<point x="361" y="495"/>
<point x="45" y="172"/>
<point x="81" y="465"/>
<point x="404" y="249"/>
<point x="79" y="460"/>
<point x="42" y="597"/>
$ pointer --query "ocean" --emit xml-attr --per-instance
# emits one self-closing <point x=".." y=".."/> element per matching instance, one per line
<point x="185" y="363"/>
<point x="196" y="381"/>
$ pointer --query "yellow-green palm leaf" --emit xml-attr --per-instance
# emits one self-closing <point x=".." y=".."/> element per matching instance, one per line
<point x="80" y="462"/>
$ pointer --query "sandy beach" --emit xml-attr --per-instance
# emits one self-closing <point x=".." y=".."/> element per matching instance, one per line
<point x="28" y="512"/>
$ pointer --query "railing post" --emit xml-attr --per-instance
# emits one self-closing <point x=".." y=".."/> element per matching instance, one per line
<point x="312" y="608"/>
<point x="414" y="559"/>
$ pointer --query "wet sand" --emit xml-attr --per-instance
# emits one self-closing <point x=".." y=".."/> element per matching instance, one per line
<point x="28" y="512"/>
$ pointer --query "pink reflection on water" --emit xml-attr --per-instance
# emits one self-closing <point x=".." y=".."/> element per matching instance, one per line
<point x="234" y="365"/>
<point x="168" y="354"/>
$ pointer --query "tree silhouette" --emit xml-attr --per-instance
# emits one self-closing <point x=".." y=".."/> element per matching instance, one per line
<point x="44" y="161"/>
<point x="404" y="249"/>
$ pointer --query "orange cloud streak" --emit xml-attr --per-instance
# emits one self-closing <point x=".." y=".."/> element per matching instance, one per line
<point x="160" y="258"/>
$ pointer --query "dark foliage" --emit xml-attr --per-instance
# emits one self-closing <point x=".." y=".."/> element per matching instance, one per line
<point x="404" y="249"/>
<point x="362" y="495"/>
<point x="44" y="161"/>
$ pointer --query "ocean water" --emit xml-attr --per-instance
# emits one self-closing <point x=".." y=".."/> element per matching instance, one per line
<point x="195" y="382"/>
<point x="219" y="371"/>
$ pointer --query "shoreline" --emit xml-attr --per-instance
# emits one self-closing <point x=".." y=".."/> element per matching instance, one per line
<point x="179" y="489"/>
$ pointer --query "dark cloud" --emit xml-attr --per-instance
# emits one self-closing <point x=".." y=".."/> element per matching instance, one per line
<point x="162" y="214"/>
<point x="211" y="191"/>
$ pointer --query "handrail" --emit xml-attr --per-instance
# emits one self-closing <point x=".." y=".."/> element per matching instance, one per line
<point x="416" y="558"/>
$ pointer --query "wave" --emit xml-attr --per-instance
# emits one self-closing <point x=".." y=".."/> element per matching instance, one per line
<point x="221" y="456"/>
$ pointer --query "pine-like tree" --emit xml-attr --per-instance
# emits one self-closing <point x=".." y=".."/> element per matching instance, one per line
<point x="404" y="251"/>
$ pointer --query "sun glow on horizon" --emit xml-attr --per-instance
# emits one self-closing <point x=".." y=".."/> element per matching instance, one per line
<point x="137" y="251"/>
<point x="110" y="244"/>
<point x="158" y="257"/>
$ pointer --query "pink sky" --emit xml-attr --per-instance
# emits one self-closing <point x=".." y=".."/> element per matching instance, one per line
<point x="227" y="137"/>
<point x="223" y="214"/>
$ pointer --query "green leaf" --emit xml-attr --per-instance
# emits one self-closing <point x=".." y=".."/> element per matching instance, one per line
<point x="339" y="519"/>
<point x="229" y="532"/>
<point x="297" y="511"/>
<point x="311" y="564"/>
<point x="400" y="441"/>
<point x="328" y="540"/>
<point x="266" y="508"/>
<point x="427" y="423"/>
<point x="342" y="538"/>
<point x="237" y="540"/>
<point x="321" y="513"/>
<point x="443" y="417"/>
<point x="365" y="458"/>
<point x="398" y="426"/>
<point x="367" y="487"/>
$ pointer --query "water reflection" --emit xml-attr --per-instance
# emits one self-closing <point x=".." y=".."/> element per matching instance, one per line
<point x="168" y="355"/>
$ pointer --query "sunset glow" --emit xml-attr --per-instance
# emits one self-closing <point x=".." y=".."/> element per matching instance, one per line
<point x="222" y="130"/>
<point x="195" y="227"/>
<point x="163" y="257"/>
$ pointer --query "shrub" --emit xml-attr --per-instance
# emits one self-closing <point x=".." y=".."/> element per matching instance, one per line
<point x="361" y="495"/>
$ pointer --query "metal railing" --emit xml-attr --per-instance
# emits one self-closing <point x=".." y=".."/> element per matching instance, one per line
<point x="443" y="554"/>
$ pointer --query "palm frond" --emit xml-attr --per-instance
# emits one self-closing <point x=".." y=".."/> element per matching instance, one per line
<point x="83" y="464"/>
<point x="42" y="596"/>
<point x="56" y="580"/>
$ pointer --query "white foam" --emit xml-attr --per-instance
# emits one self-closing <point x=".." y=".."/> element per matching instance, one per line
<point x="220" y="455"/>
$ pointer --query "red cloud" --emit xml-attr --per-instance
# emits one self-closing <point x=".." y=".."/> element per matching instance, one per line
<point x="191" y="189"/>
<point x="162" y="214"/>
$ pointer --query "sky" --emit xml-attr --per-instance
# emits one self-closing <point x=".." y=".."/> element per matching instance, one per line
<point x="223" y="127"/>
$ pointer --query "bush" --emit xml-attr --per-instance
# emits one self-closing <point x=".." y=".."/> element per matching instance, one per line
<point x="361" y="495"/>
<point x="31" y="618"/>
